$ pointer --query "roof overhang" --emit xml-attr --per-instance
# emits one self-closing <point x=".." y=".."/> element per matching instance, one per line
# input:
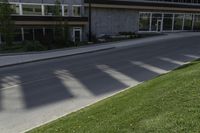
<point x="144" y="6"/>
<point x="48" y="20"/>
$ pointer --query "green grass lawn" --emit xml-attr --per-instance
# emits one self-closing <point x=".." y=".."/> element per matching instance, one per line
<point x="167" y="104"/>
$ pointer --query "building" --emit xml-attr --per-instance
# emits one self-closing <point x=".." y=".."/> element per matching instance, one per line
<point x="34" y="18"/>
<point x="144" y="16"/>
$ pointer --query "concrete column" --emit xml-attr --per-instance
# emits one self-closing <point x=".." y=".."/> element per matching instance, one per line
<point x="20" y="9"/>
<point x="33" y="34"/>
<point x="63" y="10"/>
<point x="82" y="10"/>
<point x="173" y="20"/>
<point x="150" y="23"/>
<point x="193" y="20"/>
<point x="43" y="14"/>
<point x="162" y="22"/>
<point x="183" y="22"/>
<point x="43" y="29"/>
<point x="22" y="31"/>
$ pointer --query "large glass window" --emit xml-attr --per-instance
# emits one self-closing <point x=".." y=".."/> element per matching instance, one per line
<point x="196" y="23"/>
<point x="188" y="22"/>
<point x="15" y="8"/>
<point x="49" y="34"/>
<point x="178" y="21"/>
<point x="49" y="10"/>
<point x="29" y="34"/>
<point x="18" y="35"/>
<point x="66" y="11"/>
<point x="38" y="34"/>
<point x="2" y="40"/>
<point x="32" y="10"/>
<point x="155" y="22"/>
<point x="144" y="24"/>
<point x="77" y="11"/>
<point x="167" y="22"/>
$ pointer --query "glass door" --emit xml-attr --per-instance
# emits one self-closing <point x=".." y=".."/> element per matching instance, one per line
<point x="77" y="34"/>
<point x="159" y="26"/>
<point x="156" y="22"/>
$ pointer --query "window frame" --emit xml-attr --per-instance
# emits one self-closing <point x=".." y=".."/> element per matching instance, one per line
<point x="31" y="4"/>
<point x="75" y="6"/>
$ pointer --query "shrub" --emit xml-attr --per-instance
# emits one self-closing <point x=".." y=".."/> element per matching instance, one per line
<point x="33" y="46"/>
<point x="10" y="47"/>
<point x="127" y="33"/>
<point x="60" y="42"/>
<point x="70" y="44"/>
<point x="6" y="23"/>
<point x="47" y="41"/>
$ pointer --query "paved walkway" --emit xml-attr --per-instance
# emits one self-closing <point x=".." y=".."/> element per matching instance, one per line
<point x="13" y="59"/>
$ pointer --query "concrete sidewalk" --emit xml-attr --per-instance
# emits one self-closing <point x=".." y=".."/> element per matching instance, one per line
<point x="15" y="59"/>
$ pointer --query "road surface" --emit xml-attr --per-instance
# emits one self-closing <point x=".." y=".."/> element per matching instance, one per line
<point x="35" y="93"/>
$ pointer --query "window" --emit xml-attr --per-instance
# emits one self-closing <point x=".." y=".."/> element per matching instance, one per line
<point x="48" y="10"/>
<point x="144" y="21"/>
<point x="32" y="9"/>
<point x="15" y="8"/>
<point x="57" y="10"/>
<point x="38" y="34"/>
<point x="167" y="22"/>
<point x="29" y="34"/>
<point x="178" y="21"/>
<point x="18" y="35"/>
<point x="77" y="11"/>
<point x="66" y="11"/>
<point x="196" y="23"/>
<point x="49" y="35"/>
<point x="156" y="19"/>
<point x="188" y="22"/>
<point x="1" y="41"/>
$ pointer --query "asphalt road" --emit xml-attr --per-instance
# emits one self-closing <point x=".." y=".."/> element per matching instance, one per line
<point x="35" y="93"/>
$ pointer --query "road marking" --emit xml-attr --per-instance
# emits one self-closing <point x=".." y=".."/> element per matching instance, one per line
<point x="12" y="99"/>
<point x="8" y="86"/>
<point x="118" y="75"/>
<point x="173" y="61"/>
<point x="73" y="84"/>
<point x="149" y="67"/>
